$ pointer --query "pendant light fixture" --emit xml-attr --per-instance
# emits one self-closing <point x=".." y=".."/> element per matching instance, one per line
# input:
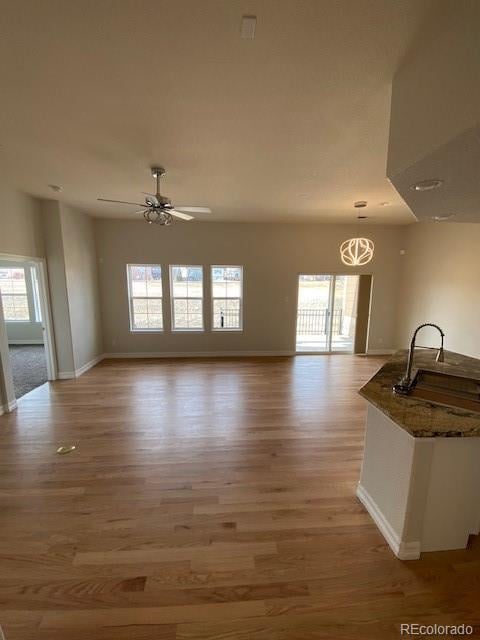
<point x="356" y="252"/>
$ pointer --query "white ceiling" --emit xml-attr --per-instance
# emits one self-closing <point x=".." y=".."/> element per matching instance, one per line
<point x="290" y="126"/>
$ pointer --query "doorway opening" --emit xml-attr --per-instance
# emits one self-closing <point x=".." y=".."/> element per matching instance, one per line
<point x="25" y="341"/>
<point x="326" y="313"/>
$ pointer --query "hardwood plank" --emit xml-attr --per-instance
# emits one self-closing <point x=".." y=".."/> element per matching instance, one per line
<point x="120" y="617"/>
<point x="174" y="554"/>
<point x="206" y="499"/>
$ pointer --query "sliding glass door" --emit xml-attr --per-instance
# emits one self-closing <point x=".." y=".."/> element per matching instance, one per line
<point x="326" y="313"/>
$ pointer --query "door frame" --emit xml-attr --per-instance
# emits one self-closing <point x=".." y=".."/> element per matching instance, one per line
<point x="331" y="298"/>
<point x="6" y="383"/>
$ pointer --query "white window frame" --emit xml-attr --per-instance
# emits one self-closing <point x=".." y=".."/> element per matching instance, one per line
<point x="131" y="297"/>
<point x="14" y="295"/>
<point x="227" y="329"/>
<point x="173" y="298"/>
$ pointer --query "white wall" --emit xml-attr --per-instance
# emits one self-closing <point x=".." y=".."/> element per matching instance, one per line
<point x="441" y="284"/>
<point x="272" y="255"/>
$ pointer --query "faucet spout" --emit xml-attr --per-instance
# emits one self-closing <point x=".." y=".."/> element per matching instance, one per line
<point x="405" y="384"/>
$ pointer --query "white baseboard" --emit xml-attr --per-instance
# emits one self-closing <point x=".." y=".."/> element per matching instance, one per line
<point x="379" y="352"/>
<point x="197" y="354"/>
<point x="89" y="365"/>
<point x="68" y="375"/>
<point x="37" y="341"/>
<point x="403" y="550"/>
<point x="6" y="408"/>
<point x="65" y="375"/>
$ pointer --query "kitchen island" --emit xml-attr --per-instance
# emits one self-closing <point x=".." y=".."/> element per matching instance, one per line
<point x="420" y="478"/>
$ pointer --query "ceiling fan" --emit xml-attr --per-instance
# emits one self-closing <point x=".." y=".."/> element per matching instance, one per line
<point x="157" y="208"/>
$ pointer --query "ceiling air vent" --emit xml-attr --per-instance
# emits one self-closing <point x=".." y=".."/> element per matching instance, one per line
<point x="247" y="31"/>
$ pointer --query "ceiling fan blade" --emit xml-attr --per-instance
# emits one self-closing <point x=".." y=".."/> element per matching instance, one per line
<point x="151" y="198"/>
<point x="178" y="214"/>
<point x="140" y="211"/>
<point x="135" y="204"/>
<point x="194" y="209"/>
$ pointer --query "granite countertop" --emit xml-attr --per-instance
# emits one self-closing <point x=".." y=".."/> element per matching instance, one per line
<point x="420" y="418"/>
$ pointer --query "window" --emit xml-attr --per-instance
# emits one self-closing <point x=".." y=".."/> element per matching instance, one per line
<point x="145" y="297"/>
<point x="187" y="297"/>
<point x="13" y="288"/>
<point x="227" y="293"/>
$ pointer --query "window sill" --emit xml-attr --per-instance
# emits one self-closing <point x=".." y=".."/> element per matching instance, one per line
<point x="147" y="331"/>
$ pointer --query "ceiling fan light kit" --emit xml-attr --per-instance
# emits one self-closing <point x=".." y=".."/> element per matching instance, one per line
<point x="159" y="209"/>
<point x="157" y="217"/>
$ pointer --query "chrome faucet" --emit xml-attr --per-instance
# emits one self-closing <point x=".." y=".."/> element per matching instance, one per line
<point x="405" y="383"/>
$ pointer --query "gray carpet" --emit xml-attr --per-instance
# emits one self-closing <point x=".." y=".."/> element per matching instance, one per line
<point x="29" y="367"/>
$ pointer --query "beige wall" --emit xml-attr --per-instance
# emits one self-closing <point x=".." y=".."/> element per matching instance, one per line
<point x="272" y="255"/>
<point x="82" y="285"/>
<point x="65" y="237"/>
<point x="57" y="282"/>
<point x="20" y="224"/>
<point x="441" y="279"/>
<point x="73" y="279"/>
<point x="434" y="93"/>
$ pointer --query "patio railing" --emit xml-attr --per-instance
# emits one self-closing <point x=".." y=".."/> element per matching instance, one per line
<point x="314" y="321"/>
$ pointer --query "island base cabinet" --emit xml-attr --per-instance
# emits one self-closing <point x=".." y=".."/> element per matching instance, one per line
<point x="423" y="493"/>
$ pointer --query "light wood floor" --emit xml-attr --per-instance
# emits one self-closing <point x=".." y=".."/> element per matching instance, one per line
<point x="206" y="499"/>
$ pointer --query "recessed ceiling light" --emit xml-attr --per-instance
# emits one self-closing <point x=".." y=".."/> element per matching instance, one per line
<point x="362" y="217"/>
<point x="443" y="218"/>
<point x="427" y="185"/>
<point x="384" y="204"/>
<point x="360" y="204"/>
<point x="55" y="187"/>
<point x="247" y="31"/>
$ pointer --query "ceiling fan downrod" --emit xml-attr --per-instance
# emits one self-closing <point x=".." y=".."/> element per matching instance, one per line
<point x="157" y="173"/>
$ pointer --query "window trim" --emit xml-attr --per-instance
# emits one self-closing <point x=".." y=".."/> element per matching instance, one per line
<point x="173" y="298"/>
<point x="131" y="298"/>
<point x="213" y="298"/>
<point x="36" y="303"/>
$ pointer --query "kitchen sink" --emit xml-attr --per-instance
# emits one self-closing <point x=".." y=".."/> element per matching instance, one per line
<point x="446" y="389"/>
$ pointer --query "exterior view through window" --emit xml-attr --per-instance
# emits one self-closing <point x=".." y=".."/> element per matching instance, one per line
<point x="227" y="285"/>
<point x="145" y="297"/>
<point x="326" y="312"/>
<point x="186" y="284"/>
<point x="13" y="288"/>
